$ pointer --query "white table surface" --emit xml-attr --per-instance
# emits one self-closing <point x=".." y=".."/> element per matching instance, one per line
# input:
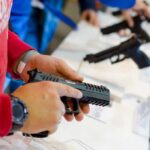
<point x="113" y="129"/>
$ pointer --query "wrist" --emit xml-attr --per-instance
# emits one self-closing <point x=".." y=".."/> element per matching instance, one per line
<point x="19" y="113"/>
<point x="24" y="61"/>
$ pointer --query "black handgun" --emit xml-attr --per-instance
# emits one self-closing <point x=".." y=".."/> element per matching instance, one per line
<point x="127" y="49"/>
<point x="137" y="29"/>
<point x="117" y="13"/>
<point x="92" y="94"/>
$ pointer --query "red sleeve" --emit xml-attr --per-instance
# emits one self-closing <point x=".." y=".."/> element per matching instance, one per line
<point x="16" y="48"/>
<point x="5" y="115"/>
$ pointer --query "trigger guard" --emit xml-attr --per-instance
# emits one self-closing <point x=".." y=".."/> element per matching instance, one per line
<point x="123" y="57"/>
<point x="75" y="103"/>
<point x="67" y="108"/>
<point x="118" y="59"/>
<point x="75" y="106"/>
<point x="115" y="61"/>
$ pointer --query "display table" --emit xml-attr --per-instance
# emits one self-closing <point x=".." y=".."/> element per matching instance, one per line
<point x="104" y="128"/>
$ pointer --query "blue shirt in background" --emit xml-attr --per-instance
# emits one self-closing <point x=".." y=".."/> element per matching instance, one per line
<point x="26" y="23"/>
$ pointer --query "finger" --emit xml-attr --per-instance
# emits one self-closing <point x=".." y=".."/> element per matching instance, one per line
<point x="68" y="72"/>
<point x="65" y="90"/>
<point x="93" y="21"/>
<point x="143" y="10"/>
<point x="85" y="108"/>
<point x="84" y="16"/>
<point x="62" y="108"/>
<point x="146" y="11"/>
<point x="130" y="21"/>
<point x="96" y="23"/>
<point x="69" y="117"/>
<point x="128" y="18"/>
<point x="80" y="116"/>
<point x="91" y="18"/>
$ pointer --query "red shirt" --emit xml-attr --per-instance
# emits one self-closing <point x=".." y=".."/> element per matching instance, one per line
<point x="11" y="48"/>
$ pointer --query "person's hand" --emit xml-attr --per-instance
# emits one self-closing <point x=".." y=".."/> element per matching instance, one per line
<point x="44" y="105"/>
<point x="91" y="17"/>
<point x="58" y="67"/>
<point x="140" y="8"/>
<point x="50" y="65"/>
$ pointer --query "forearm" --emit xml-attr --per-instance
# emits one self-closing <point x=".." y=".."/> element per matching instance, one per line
<point x="5" y="115"/>
<point x="87" y="4"/>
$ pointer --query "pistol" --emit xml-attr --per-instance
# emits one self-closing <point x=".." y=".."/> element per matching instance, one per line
<point x="92" y="94"/>
<point x="137" y="29"/>
<point x="127" y="49"/>
<point x="117" y="13"/>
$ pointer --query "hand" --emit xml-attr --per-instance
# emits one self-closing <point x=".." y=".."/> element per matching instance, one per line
<point x="44" y="105"/>
<point x="50" y="65"/>
<point x="140" y="8"/>
<point x="55" y="66"/>
<point x="91" y="17"/>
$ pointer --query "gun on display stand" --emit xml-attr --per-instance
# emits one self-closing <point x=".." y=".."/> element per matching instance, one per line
<point x="137" y="29"/>
<point x="127" y="49"/>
